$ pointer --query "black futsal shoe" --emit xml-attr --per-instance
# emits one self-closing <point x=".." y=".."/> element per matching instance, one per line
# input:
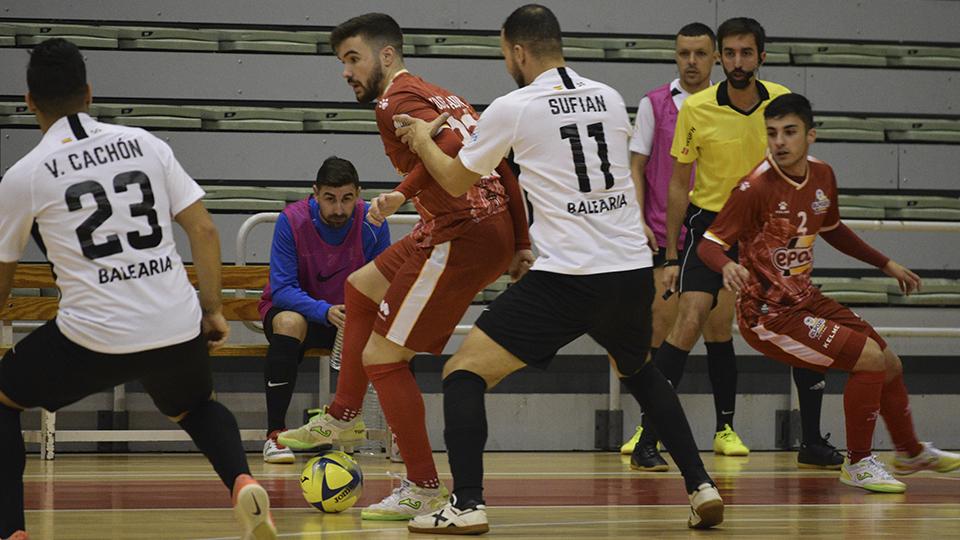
<point x="645" y="457"/>
<point x="819" y="455"/>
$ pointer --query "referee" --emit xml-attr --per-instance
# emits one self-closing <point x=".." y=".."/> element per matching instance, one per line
<point x="722" y="130"/>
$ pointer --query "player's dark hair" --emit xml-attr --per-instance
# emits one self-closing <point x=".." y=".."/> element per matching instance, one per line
<point x="791" y="104"/>
<point x="741" y="26"/>
<point x="377" y="29"/>
<point x="57" y="77"/>
<point x="696" y="29"/>
<point x="337" y="172"/>
<point x="536" y="28"/>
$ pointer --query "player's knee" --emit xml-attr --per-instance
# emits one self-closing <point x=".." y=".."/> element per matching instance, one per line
<point x="871" y="358"/>
<point x="200" y="402"/>
<point x="892" y="364"/>
<point x="291" y="324"/>
<point x="489" y="373"/>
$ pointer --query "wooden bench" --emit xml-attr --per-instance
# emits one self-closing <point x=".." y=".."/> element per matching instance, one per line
<point x="237" y="308"/>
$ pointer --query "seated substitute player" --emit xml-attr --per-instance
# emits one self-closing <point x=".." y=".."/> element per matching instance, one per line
<point x="414" y="294"/>
<point x="775" y="214"/>
<point x="104" y="198"/>
<point x="569" y="137"/>
<point x="317" y="243"/>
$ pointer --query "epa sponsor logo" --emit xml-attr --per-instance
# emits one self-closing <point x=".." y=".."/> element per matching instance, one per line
<point x="796" y="257"/>
<point x="821" y="204"/>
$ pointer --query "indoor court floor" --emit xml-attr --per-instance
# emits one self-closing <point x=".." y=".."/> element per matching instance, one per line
<point x="530" y="495"/>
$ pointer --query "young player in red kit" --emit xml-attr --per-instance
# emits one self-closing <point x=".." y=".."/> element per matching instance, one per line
<point x="776" y="213"/>
<point x="414" y="294"/>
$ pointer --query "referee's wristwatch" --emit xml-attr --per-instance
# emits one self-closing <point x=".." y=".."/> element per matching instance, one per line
<point x="671" y="262"/>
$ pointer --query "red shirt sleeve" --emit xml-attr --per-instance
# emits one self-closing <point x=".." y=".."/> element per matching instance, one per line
<point x="712" y="255"/>
<point x="518" y="214"/>
<point x="832" y="219"/>
<point x="740" y="213"/>
<point x="846" y="241"/>
<point x="401" y="157"/>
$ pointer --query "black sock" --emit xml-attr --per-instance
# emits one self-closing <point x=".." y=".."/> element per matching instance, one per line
<point x="649" y="435"/>
<point x="810" y="385"/>
<point x="722" y="367"/>
<point x="214" y="430"/>
<point x="465" y="433"/>
<point x="279" y="378"/>
<point x="12" y="462"/>
<point x="671" y="362"/>
<point x="655" y="395"/>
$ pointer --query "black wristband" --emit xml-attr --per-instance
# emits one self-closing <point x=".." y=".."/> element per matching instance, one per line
<point x="671" y="262"/>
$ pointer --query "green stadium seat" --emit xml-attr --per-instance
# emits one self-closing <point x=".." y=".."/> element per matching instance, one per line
<point x="244" y="205"/>
<point x="777" y="54"/>
<point x="935" y="57"/>
<point x="642" y="49"/>
<point x="852" y="290"/>
<point x="907" y="207"/>
<point x="922" y="129"/>
<point x="352" y="120"/>
<point x="252" y="119"/>
<point x="933" y="292"/>
<point x="845" y="128"/>
<point x="84" y="36"/>
<point x="860" y="212"/>
<point x="323" y="45"/>
<point x="271" y="41"/>
<point x="282" y="194"/>
<point x="16" y="114"/>
<point x="456" y="45"/>
<point x="582" y="52"/>
<point x="838" y="54"/>
<point x="8" y="35"/>
<point x="168" y="39"/>
<point x="150" y="116"/>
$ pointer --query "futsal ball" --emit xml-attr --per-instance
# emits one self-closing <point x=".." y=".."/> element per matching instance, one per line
<point x="331" y="481"/>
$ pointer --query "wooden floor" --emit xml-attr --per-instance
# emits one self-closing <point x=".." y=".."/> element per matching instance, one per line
<point x="530" y="495"/>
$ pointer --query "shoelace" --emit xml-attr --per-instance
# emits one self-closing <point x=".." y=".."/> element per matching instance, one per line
<point x="397" y="492"/>
<point x="877" y="468"/>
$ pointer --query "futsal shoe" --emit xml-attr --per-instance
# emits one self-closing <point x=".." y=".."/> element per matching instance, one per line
<point x="646" y="457"/>
<point x="274" y="452"/>
<point x="324" y="429"/>
<point x="406" y="502"/>
<point x="706" y="507"/>
<point x="627" y="447"/>
<point x="929" y="459"/>
<point x="870" y="474"/>
<point x="452" y="520"/>
<point x="252" y="508"/>
<point x="727" y="443"/>
<point x="819" y="455"/>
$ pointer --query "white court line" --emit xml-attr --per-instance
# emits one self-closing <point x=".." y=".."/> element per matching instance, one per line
<point x="658" y="521"/>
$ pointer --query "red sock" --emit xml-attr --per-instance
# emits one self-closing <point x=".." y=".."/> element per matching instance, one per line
<point x="402" y="404"/>
<point x="861" y="404"/>
<point x="895" y="410"/>
<point x="352" y="381"/>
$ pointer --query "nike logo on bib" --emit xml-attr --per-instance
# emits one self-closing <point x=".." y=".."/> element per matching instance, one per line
<point x="274" y="385"/>
<point x="321" y="278"/>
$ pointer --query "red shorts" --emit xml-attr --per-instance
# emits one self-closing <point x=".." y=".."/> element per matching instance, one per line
<point x="818" y="334"/>
<point x="432" y="287"/>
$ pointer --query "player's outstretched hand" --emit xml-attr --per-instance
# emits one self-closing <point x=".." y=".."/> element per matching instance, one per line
<point x="215" y="329"/>
<point x="414" y="132"/>
<point x="735" y="276"/>
<point x="909" y="282"/>
<point x="384" y="206"/>
<point x="337" y="315"/>
<point x="521" y="263"/>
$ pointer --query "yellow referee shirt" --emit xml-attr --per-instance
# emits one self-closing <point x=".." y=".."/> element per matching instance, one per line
<point x="725" y="142"/>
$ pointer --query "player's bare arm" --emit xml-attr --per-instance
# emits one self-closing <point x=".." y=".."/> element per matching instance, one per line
<point x="637" y="164"/>
<point x="205" y="247"/>
<point x="384" y="206"/>
<point x="448" y="172"/>
<point x="678" y="197"/>
<point x="7" y="270"/>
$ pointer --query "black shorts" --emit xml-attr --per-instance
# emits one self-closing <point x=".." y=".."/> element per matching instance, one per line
<point x="694" y="274"/>
<point x="544" y="311"/>
<point x="319" y="336"/>
<point x="45" y="369"/>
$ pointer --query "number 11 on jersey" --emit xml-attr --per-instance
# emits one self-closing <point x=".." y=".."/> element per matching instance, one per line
<point x="594" y="131"/>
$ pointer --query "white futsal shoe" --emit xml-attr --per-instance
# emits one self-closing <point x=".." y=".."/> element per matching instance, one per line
<point x="274" y="452"/>
<point x="930" y="458"/>
<point x="706" y="507"/>
<point x="323" y="429"/>
<point x="406" y="502"/>
<point x="870" y="474"/>
<point x="452" y="520"/>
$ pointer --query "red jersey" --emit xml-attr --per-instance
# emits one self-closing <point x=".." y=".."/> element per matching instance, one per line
<point x="442" y="216"/>
<point x="776" y="220"/>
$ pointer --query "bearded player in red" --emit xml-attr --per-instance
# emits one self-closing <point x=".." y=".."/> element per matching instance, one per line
<point x="775" y="213"/>
<point x="411" y="297"/>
